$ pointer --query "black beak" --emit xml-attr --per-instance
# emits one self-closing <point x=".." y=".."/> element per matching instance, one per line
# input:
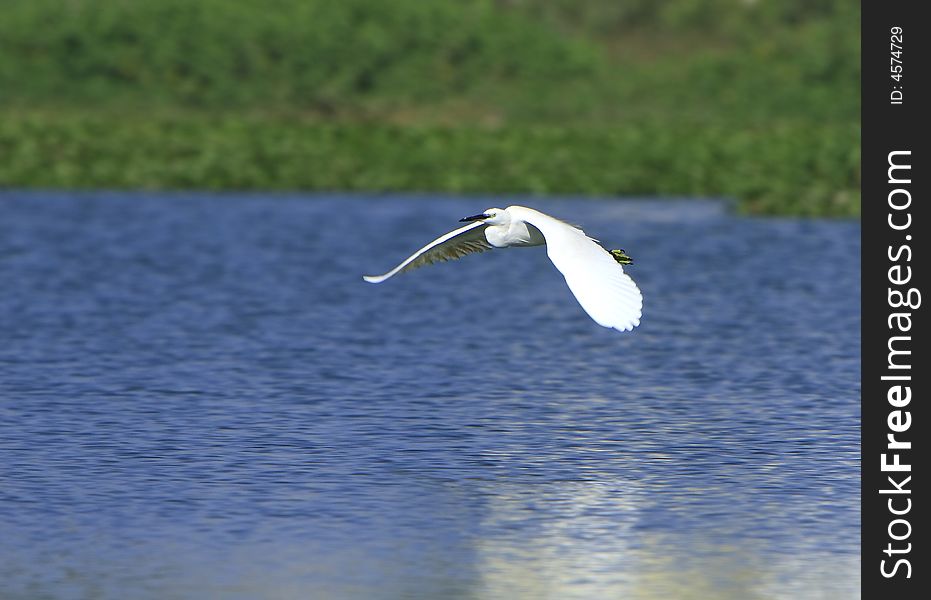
<point x="473" y="218"/>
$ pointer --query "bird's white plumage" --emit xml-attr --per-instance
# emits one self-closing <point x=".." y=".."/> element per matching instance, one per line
<point x="596" y="279"/>
<point x="598" y="282"/>
<point x="453" y="245"/>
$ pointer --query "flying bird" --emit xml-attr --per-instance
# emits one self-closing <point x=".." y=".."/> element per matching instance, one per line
<point x="594" y="275"/>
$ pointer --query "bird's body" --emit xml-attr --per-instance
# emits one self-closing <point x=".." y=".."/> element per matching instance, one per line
<point x="595" y="276"/>
<point x="516" y="233"/>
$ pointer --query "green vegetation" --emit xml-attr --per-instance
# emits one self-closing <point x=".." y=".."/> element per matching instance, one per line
<point x="754" y="100"/>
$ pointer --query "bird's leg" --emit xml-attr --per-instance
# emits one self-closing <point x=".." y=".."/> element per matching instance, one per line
<point x="621" y="257"/>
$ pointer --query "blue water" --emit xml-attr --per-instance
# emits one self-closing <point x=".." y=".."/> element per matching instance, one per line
<point x="200" y="398"/>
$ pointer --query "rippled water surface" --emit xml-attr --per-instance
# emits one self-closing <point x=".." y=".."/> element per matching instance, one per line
<point x="200" y="398"/>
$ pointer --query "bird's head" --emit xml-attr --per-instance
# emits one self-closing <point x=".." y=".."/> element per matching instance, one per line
<point x="491" y="216"/>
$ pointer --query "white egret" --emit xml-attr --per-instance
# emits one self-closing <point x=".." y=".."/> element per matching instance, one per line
<point x="595" y="276"/>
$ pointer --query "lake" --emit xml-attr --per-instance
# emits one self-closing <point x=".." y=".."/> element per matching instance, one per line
<point x="201" y="398"/>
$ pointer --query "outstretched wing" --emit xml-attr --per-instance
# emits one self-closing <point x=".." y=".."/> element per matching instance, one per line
<point x="598" y="282"/>
<point x="453" y="245"/>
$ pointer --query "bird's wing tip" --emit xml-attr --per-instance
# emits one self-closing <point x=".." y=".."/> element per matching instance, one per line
<point x="373" y="278"/>
<point x="629" y="325"/>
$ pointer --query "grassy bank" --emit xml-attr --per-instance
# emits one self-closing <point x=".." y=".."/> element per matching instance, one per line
<point x="787" y="169"/>
<point x="466" y="96"/>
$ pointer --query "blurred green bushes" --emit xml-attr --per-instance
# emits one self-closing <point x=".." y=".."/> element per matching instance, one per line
<point x="758" y="100"/>
<point x="793" y="169"/>
<point x="291" y="54"/>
